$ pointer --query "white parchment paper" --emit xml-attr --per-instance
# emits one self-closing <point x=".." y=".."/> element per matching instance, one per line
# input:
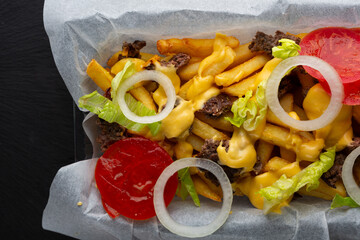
<point x="85" y="29"/>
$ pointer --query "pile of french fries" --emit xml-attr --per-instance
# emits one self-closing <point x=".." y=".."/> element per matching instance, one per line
<point x="223" y="65"/>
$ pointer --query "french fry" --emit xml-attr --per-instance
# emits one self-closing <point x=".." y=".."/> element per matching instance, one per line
<point x="252" y="82"/>
<point x="239" y="89"/>
<point x="195" y="60"/>
<point x="188" y="71"/>
<point x="151" y="86"/>
<point x="198" y="86"/>
<point x="218" y="123"/>
<point x="115" y="58"/>
<point x="243" y="54"/>
<point x="300" y="35"/>
<point x="221" y="57"/>
<point x="99" y="75"/>
<point x="218" y="61"/>
<point x="115" y="69"/>
<point x="241" y="71"/>
<point x="324" y="191"/>
<point x="285" y="138"/>
<point x="203" y="189"/>
<point x="281" y="137"/>
<point x="263" y="152"/>
<point x="306" y="136"/>
<point x="210" y="184"/>
<point x="205" y="131"/>
<point x="275" y="164"/>
<point x="194" y="47"/>
<point x="300" y="112"/>
<point x="160" y="97"/>
<point x="167" y="146"/>
<point x="287" y="154"/>
<point x="310" y="150"/>
<point x="184" y="89"/>
<point x="272" y="118"/>
<point x="108" y="69"/>
<point x="345" y="140"/>
<point x="146" y="56"/>
<point x="195" y="141"/>
<point x="287" y="102"/>
<point x="183" y="149"/>
<point x="142" y="95"/>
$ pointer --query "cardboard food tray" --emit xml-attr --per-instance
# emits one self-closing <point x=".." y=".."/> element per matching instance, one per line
<point x="82" y="30"/>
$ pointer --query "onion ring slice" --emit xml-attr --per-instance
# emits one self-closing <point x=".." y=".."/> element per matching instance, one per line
<point x="192" y="231"/>
<point x="328" y="72"/>
<point x="156" y="76"/>
<point x="348" y="178"/>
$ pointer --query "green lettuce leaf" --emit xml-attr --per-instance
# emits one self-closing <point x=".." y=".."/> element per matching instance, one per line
<point x="128" y="71"/>
<point x="288" y="48"/>
<point x="111" y="112"/>
<point x="340" y="201"/>
<point x="285" y="187"/>
<point x="187" y="186"/>
<point x="182" y="191"/>
<point x="249" y="112"/>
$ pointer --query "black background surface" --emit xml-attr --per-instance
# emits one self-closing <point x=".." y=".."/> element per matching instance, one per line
<point x="38" y="121"/>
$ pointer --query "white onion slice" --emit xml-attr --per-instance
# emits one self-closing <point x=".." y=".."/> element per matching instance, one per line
<point x="348" y="177"/>
<point x="332" y="78"/>
<point x="192" y="231"/>
<point x="145" y="75"/>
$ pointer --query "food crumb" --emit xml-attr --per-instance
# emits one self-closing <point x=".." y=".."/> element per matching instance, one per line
<point x="79" y="203"/>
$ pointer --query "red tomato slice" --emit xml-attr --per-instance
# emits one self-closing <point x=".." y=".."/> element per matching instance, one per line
<point x="357" y="30"/>
<point x="126" y="175"/>
<point x="340" y="47"/>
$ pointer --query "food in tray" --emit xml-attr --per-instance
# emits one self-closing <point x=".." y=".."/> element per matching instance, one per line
<point x="277" y="116"/>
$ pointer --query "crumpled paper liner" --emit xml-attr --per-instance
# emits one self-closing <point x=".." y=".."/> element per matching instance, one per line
<point x="82" y="30"/>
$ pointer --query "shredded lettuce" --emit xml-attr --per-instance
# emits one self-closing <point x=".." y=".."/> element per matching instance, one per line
<point x="187" y="186"/>
<point x="285" y="187"/>
<point x="249" y="111"/>
<point x="111" y="112"/>
<point x="288" y="48"/>
<point x="340" y="201"/>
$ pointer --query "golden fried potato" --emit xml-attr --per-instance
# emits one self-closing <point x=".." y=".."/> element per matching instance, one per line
<point x="99" y="75"/>
<point x="193" y="47"/>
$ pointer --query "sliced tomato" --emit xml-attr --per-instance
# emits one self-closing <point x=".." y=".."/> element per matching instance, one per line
<point x="340" y="47"/>
<point x="126" y="175"/>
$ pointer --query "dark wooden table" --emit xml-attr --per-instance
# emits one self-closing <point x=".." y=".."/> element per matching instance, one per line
<point x="40" y="128"/>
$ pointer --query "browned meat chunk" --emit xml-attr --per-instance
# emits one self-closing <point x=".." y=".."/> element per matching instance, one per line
<point x="177" y="60"/>
<point x="334" y="173"/>
<point x="132" y="49"/>
<point x="288" y="84"/>
<point x="208" y="151"/>
<point x="264" y="43"/>
<point x="216" y="106"/>
<point x="110" y="133"/>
